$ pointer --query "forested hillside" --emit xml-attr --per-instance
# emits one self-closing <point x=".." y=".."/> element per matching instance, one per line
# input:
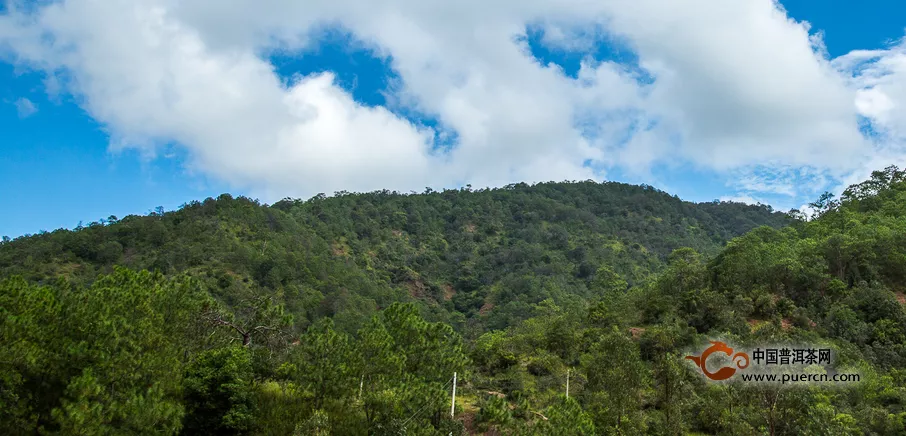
<point x="349" y="315"/>
<point x="458" y="252"/>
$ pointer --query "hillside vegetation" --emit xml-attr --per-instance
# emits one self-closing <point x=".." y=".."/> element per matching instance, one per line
<point x="456" y="253"/>
<point x="349" y="315"/>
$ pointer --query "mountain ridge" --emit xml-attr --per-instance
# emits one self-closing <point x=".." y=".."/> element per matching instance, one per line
<point x="382" y="242"/>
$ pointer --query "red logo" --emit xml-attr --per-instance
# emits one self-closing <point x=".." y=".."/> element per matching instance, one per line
<point x="740" y="359"/>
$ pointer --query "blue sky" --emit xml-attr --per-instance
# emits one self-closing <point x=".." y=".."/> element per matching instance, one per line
<point x="58" y="168"/>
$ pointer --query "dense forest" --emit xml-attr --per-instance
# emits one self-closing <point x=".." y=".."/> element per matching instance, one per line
<point x="349" y="314"/>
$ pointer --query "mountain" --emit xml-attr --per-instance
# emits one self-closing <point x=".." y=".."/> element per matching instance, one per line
<point x="476" y="259"/>
<point x="557" y="309"/>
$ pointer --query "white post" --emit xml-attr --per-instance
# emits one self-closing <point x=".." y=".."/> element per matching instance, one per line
<point x="361" y="384"/>
<point x="567" y="383"/>
<point x="453" y="402"/>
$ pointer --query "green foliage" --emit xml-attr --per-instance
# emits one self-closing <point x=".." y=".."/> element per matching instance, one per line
<point x="493" y="413"/>
<point x="616" y="378"/>
<point x="408" y="363"/>
<point x="566" y="418"/>
<point x="350" y="314"/>
<point x="217" y="392"/>
<point x="488" y="255"/>
<point x="98" y="360"/>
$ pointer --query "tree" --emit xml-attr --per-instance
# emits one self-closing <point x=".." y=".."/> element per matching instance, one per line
<point x="410" y="364"/>
<point x="607" y="281"/>
<point x="259" y="320"/>
<point x="324" y="364"/>
<point x="120" y="344"/>
<point x="32" y="355"/>
<point x="673" y="384"/>
<point x="824" y="203"/>
<point x="616" y="378"/>
<point x="217" y="392"/>
<point x="566" y="418"/>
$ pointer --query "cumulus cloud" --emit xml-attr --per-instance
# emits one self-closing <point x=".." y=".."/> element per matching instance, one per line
<point x="741" y="84"/>
<point x="737" y="88"/>
<point x="880" y="79"/>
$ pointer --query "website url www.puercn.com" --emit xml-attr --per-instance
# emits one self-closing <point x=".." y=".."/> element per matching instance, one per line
<point x="799" y="378"/>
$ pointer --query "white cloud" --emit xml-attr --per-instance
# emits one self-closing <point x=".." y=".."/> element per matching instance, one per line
<point x="777" y="178"/>
<point x="25" y="107"/>
<point x="741" y="84"/>
<point x="880" y="77"/>
<point x="738" y="87"/>
<point x="808" y="212"/>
